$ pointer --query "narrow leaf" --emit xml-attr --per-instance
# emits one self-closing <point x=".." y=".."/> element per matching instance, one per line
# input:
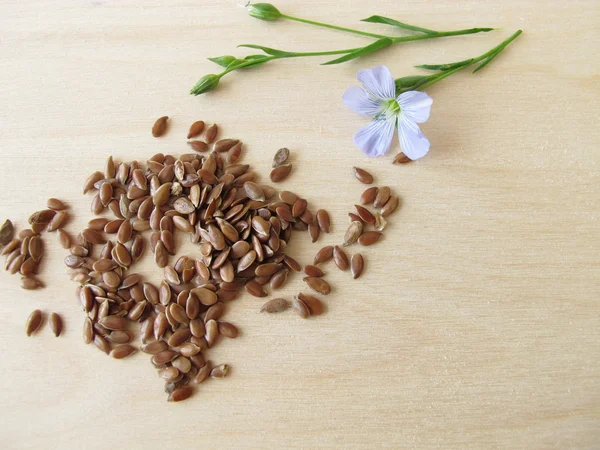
<point x="371" y="48"/>
<point x="223" y="61"/>
<point x="448" y="66"/>
<point x="267" y="50"/>
<point x="485" y="62"/>
<point x="395" y="23"/>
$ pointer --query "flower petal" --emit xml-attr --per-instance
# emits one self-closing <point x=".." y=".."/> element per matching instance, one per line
<point x="413" y="143"/>
<point x="375" y="138"/>
<point x="378" y="82"/>
<point x="415" y="105"/>
<point x="358" y="100"/>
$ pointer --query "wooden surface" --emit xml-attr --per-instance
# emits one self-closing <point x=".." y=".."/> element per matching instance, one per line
<point x="476" y="322"/>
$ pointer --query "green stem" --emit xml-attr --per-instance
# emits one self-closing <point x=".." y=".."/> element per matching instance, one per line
<point x="334" y="27"/>
<point x="432" y="79"/>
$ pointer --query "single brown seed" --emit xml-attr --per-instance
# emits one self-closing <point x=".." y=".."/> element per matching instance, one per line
<point x="313" y="232"/>
<point x="206" y="296"/>
<point x="182" y="364"/>
<point x="280" y="173"/>
<point x="64" y="239"/>
<point x="189" y="350"/>
<point x="179" y="337"/>
<point x="357" y="265"/>
<point x="7" y="232"/>
<point x="279" y="279"/>
<point x="181" y="393"/>
<point x="203" y="372"/>
<point x="160" y="126"/>
<point x="313" y="271"/>
<point x="224" y="145"/>
<point x="122" y="351"/>
<point x="288" y="197"/>
<point x="91" y="181"/>
<point x="323" y="220"/>
<point x="93" y="237"/>
<point x="212" y="332"/>
<point x="340" y="258"/>
<point x="169" y="373"/>
<point x="401" y="158"/>
<point x="88" y="331"/>
<point x="362" y="175"/>
<point x="281" y="156"/>
<point x="26" y="233"/>
<point x="228" y="330"/>
<point x="178" y="313"/>
<point x="113" y="322"/>
<point x="214" y="312"/>
<point x="369" y="238"/>
<point x="255" y="289"/>
<point x="266" y="270"/>
<point x="199" y="146"/>
<point x="211" y="133"/>
<point x="353" y="232"/>
<point x="254" y="191"/>
<point x="102" y="344"/>
<point x="29" y="283"/>
<point x="119" y="337"/>
<point x="368" y="196"/>
<point x="365" y="214"/>
<point x="292" y="263"/>
<point x="58" y="221"/>
<point x="42" y="217"/>
<point x="300" y="308"/>
<point x="275" y="305"/>
<point x="34" y="321"/>
<point x="383" y="196"/>
<point x="390" y="206"/>
<point x="197" y="327"/>
<point x="161" y="256"/>
<point x="164" y="357"/>
<point x="299" y="207"/>
<point x="154" y="347"/>
<point x="55" y="324"/>
<point x="323" y="255"/>
<point x="315" y="306"/>
<point x="318" y="284"/>
<point x="36" y="248"/>
<point x="138" y="309"/>
<point x="220" y="371"/>
<point x="195" y="129"/>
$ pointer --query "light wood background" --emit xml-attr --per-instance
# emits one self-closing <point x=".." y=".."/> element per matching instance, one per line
<point x="476" y="324"/>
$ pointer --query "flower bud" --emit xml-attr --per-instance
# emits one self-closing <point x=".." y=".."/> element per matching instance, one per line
<point x="205" y="84"/>
<point x="264" y="11"/>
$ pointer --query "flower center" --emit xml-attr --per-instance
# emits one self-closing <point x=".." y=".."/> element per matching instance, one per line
<point x="389" y="108"/>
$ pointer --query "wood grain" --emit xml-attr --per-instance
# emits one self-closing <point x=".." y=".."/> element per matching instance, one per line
<point x="475" y="324"/>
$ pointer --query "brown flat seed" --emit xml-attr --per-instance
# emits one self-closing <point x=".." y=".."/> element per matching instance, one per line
<point x="64" y="239"/>
<point x="323" y="220"/>
<point x="93" y="237"/>
<point x="160" y="126"/>
<point x="7" y="232"/>
<point x="34" y="321"/>
<point x="228" y="330"/>
<point x="182" y="364"/>
<point x="206" y="296"/>
<point x="281" y="156"/>
<point x="55" y="204"/>
<point x="195" y="129"/>
<point x="169" y="373"/>
<point x="197" y="327"/>
<point x="224" y="145"/>
<point x="401" y="158"/>
<point x="368" y="196"/>
<point x="138" y="309"/>
<point x="255" y="289"/>
<point x="280" y="173"/>
<point x="318" y="284"/>
<point x="383" y="196"/>
<point x="36" y="248"/>
<point x="55" y="324"/>
<point x="323" y="255"/>
<point x="362" y="175"/>
<point x="164" y="357"/>
<point x="353" y="232"/>
<point x="365" y="214"/>
<point x="219" y="371"/>
<point x="189" y="349"/>
<point x="42" y="217"/>
<point x="254" y="191"/>
<point x="279" y="279"/>
<point x="275" y="305"/>
<point x="125" y="232"/>
<point x="113" y="322"/>
<point x="203" y="373"/>
<point x="120" y="337"/>
<point x="88" y="331"/>
<point x="30" y="284"/>
<point x="161" y="255"/>
<point x="154" y="347"/>
<point x="390" y="206"/>
<point x="181" y="393"/>
<point x="211" y="133"/>
<point x="58" y="221"/>
<point x="315" y="306"/>
<point x="357" y="265"/>
<point x="214" y="312"/>
<point x="313" y="232"/>
<point x="266" y="270"/>
<point x="299" y="207"/>
<point x="212" y="332"/>
<point x="313" y="271"/>
<point x="300" y="308"/>
<point x="122" y="351"/>
<point x="102" y="344"/>
<point x="178" y="313"/>
<point x="369" y="238"/>
<point x="179" y="337"/>
<point x="91" y="181"/>
<point x="340" y="258"/>
<point x="292" y="263"/>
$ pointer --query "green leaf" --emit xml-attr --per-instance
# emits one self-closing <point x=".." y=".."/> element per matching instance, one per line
<point x="371" y="48"/>
<point x="223" y="61"/>
<point x="267" y="50"/>
<point x="395" y="23"/>
<point x="448" y="66"/>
